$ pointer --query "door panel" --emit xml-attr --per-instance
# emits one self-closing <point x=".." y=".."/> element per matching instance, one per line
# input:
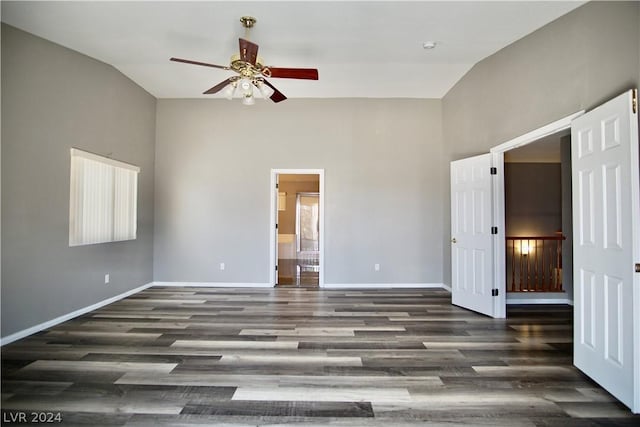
<point x="611" y="207"/>
<point x="613" y="340"/>
<point x="472" y="242"/>
<point x="587" y="304"/>
<point x="605" y="197"/>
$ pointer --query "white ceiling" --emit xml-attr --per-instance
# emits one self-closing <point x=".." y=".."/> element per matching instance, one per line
<point x="361" y="48"/>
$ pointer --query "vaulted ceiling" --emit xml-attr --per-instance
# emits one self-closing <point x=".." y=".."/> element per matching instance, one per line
<point x="361" y="48"/>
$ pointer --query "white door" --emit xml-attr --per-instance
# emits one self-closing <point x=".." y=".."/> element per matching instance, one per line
<point x="606" y="220"/>
<point x="471" y="238"/>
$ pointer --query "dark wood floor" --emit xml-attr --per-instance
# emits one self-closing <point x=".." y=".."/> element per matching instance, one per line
<point x="303" y="356"/>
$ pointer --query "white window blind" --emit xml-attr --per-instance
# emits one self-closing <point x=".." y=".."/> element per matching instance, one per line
<point x="103" y="199"/>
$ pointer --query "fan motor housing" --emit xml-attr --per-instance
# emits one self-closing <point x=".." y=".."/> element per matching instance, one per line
<point x="246" y="69"/>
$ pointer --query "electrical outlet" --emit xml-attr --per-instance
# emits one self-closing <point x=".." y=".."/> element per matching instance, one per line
<point x="376" y="267"/>
<point x="222" y="266"/>
<point x="106" y="278"/>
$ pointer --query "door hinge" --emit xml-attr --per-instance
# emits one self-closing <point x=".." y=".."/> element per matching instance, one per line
<point x="494" y="230"/>
<point x="276" y="226"/>
<point x="494" y="171"/>
<point x="494" y="292"/>
<point x="638" y="267"/>
<point x="634" y="101"/>
<point x="276" y="268"/>
<point x="277" y="185"/>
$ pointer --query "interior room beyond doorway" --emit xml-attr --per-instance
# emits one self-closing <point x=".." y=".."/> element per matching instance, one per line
<point x="538" y="222"/>
<point x="298" y="230"/>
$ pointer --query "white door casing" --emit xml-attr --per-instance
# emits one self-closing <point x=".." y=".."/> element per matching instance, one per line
<point x="471" y="239"/>
<point x="276" y="248"/>
<point x="499" y="202"/>
<point x="606" y="227"/>
<point x="273" y="232"/>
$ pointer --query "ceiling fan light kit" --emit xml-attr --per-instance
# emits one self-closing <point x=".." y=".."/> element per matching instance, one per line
<point x="252" y="72"/>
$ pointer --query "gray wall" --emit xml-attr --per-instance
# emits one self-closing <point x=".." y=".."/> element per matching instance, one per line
<point x="54" y="99"/>
<point x="383" y="186"/>
<point x="576" y="62"/>
<point x="533" y="199"/>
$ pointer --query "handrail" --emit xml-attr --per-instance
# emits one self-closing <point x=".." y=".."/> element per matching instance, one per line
<point x="559" y="237"/>
<point x="534" y="263"/>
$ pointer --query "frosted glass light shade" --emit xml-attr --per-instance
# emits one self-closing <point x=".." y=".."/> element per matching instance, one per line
<point x="265" y="90"/>
<point x="229" y="90"/>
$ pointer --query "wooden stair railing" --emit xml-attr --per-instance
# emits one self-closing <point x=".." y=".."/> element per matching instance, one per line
<point x="534" y="264"/>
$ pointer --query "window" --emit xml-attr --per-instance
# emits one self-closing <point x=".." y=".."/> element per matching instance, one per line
<point x="103" y="199"/>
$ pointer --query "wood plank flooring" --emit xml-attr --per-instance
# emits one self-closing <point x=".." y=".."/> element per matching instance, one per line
<point x="303" y="272"/>
<point x="304" y="356"/>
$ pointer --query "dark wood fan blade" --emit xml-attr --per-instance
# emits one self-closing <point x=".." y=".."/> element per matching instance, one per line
<point x="248" y="51"/>
<point x="204" y="64"/>
<point x="277" y="95"/>
<point x="218" y="87"/>
<point x="294" y="73"/>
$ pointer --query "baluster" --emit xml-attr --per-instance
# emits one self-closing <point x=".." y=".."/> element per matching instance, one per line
<point x="513" y="265"/>
<point x="543" y="268"/>
<point x="531" y="284"/>
<point x="535" y="272"/>
<point x="535" y="261"/>
<point x="521" y="266"/>
<point x="559" y="284"/>
<point x="558" y="263"/>
<point x="552" y="254"/>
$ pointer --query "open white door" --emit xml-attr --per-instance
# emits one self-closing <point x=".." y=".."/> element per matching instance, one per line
<point x="471" y="238"/>
<point x="606" y="221"/>
<point x="273" y="229"/>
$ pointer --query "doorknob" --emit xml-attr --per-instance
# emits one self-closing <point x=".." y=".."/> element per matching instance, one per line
<point x="454" y="240"/>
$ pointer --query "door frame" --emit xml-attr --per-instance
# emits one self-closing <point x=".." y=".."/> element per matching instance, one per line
<point x="273" y="216"/>
<point x="497" y="154"/>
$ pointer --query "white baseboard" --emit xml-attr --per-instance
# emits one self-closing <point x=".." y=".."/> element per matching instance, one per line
<point x="213" y="284"/>
<point x="48" y="324"/>
<point x="383" y="285"/>
<point x="520" y="301"/>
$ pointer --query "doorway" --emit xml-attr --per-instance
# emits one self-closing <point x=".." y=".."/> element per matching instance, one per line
<point x="605" y="209"/>
<point x="538" y="221"/>
<point x="559" y="127"/>
<point x="297" y="227"/>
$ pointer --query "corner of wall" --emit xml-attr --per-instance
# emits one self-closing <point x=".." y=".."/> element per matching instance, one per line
<point x="42" y="277"/>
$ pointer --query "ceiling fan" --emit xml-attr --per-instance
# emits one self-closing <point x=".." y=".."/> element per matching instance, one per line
<point x="252" y="71"/>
